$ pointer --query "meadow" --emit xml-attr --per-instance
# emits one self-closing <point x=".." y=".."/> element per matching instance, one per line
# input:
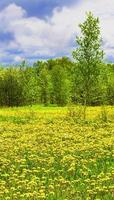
<point x="50" y="153"/>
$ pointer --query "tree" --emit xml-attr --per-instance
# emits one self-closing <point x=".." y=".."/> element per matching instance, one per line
<point x="88" y="56"/>
<point x="45" y="86"/>
<point x="30" y="86"/>
<point x="61" y="86"/>
<point x="110" y="84"/>
<point x="11" y="89"/>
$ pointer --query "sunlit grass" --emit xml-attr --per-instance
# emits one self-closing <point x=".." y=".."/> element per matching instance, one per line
<point x="45" y="154"/>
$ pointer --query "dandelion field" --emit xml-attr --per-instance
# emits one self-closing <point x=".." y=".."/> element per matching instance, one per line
<point x="46" y="154"/>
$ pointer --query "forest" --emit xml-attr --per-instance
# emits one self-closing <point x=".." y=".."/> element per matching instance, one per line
<point x="55" y="82"/>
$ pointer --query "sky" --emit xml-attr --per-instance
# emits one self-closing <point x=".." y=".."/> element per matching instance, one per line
<point x="41" y="29"/>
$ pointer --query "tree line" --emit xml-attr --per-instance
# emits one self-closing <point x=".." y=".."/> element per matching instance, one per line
<point x="55" y="82"/>
<point x="85" y="80"/>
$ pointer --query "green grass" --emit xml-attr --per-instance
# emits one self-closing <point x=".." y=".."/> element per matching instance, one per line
<point x="45" y="153"/>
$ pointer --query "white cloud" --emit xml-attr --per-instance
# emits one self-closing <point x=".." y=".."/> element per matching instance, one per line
<point x="53" y="35"/>
<point x="18" y="59"/>
<point x="9" y="15"/>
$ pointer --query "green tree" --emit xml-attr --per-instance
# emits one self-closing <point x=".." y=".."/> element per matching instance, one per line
<point x="11" y="88"/>
<point x="45" y="86"/>
<point x="61" y="86"/>
<point x="30" y="86"/>
<point x="110" y="84"/>
<point x="88" y="56"/>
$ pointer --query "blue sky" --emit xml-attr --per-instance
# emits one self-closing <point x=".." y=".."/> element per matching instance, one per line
<point x="38" y="8"/>
<point x="42" y="29"/>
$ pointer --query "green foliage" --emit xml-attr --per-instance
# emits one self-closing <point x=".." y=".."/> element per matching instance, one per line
<point x="30" y="86"/>
<point x="60" y="85"/>
<point x="45" y="86"/>
<point x="54" y="84"/>
<point x="11" y="88"/>
<point x="88" y="56"/>
<point x="110" y="84"/>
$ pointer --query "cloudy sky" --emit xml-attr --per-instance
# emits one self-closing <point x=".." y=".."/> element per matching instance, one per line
<point x="42" y="29"/>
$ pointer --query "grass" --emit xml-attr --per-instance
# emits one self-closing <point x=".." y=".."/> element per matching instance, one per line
<point x="47" y="154"/>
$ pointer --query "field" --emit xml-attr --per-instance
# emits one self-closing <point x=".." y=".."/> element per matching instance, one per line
<point x="49" y="153"/>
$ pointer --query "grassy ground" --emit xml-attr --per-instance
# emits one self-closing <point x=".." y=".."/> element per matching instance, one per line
<point x="52" y="153"/>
